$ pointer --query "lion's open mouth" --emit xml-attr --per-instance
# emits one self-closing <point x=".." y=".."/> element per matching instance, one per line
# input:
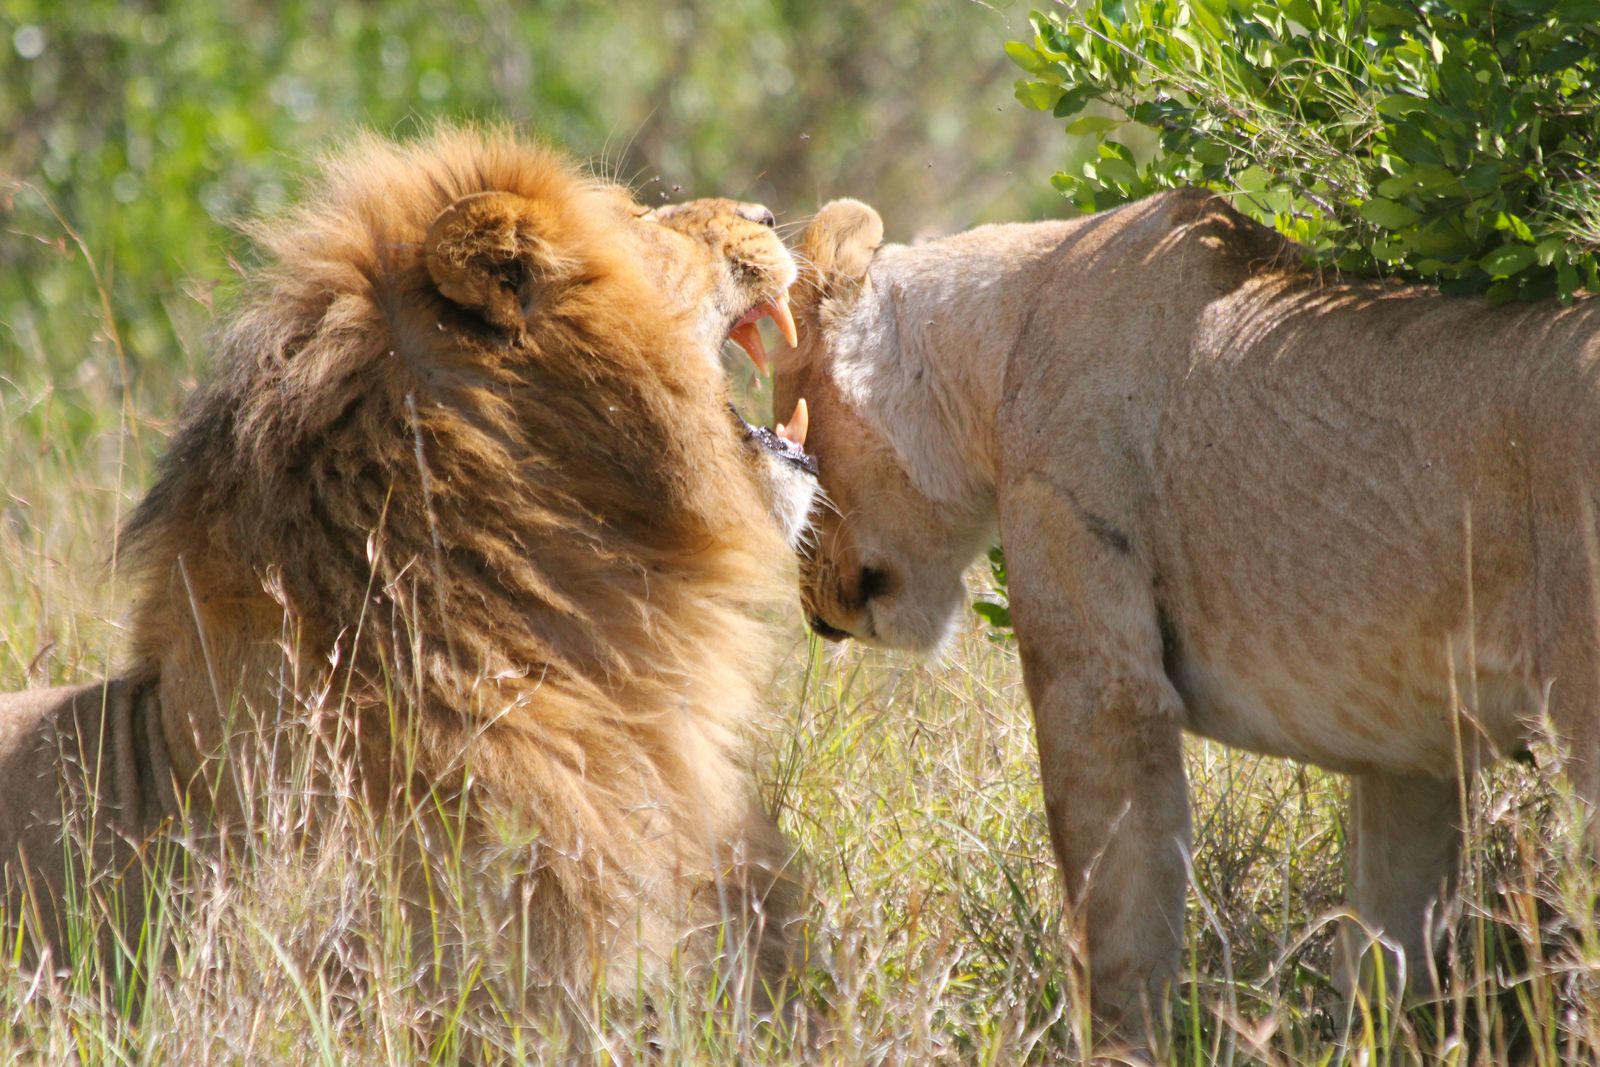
<point x="787" y="440"/>
<point x="746" y="332"/>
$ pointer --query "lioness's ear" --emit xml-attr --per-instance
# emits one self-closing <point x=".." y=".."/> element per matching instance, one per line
<point x="484" y="253"/>
<point x="837" y="249"/>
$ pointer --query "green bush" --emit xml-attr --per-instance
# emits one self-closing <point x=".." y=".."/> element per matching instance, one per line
<point x="1445" y="140"/>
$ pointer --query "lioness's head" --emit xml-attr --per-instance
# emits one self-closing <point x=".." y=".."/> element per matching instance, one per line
<point x="887" y="557"/>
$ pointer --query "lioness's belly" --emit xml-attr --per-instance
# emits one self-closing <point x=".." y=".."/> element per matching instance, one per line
<point x="1354" y="719"/>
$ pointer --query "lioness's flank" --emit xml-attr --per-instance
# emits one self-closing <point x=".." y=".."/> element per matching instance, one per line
<point x="465" y="508"/>
<point x="1353" y="524"/>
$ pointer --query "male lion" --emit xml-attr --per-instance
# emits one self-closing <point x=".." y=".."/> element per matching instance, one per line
<point x="1344" y="522"/>
<point x="465" y="502"/>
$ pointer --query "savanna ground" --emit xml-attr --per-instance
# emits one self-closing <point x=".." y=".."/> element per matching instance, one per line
<point x="910" y="787"/>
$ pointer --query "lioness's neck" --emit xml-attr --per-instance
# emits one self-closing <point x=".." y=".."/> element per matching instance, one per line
<point x="940" y="323"/>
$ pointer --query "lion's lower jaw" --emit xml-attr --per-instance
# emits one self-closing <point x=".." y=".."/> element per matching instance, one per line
<point x="791" y="493"/>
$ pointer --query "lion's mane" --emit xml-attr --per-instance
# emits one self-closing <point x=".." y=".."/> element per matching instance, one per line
<point x="533" y="560"/>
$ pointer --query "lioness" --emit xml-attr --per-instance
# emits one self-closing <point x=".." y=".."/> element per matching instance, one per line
<point x="464" y="503"/>
<point x="1344" y="522"/>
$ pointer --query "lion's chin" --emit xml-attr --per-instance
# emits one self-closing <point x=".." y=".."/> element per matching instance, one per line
<point x="788" y="475"/>
<point x="792" y="490"/>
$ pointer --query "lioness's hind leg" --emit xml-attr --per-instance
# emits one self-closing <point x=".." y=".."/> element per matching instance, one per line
<point x="1404" y="858"/>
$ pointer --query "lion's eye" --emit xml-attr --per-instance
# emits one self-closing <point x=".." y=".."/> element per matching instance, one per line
<point x="756" y="213"/>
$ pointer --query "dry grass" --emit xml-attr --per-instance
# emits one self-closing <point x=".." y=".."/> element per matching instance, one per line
<point x="911" y="788"/>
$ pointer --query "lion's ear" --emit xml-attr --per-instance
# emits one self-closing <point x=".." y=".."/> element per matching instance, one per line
<point x="485" y="254"/>
<point x="837" y="248"/>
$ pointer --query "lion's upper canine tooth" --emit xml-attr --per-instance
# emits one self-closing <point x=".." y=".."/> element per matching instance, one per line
<point x="795" y="429"/>
<point x="779" y="310"/>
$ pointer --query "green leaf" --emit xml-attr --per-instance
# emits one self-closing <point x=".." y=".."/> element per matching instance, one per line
<point x="1425" y="178"/>
<point x="1301" y="11"/>
<point x="1066" y="183"/>
<point x="1093" y="124"/>
<point x="1389" y="214"/>
<point x="1566" y="281"/>
<point x="1026" y="57"/>
<point x="1161" y="113"/>
<point x="1115" y="150"/>
<point x="1519" y="229"/>
<point x="996" y="615"/>
<point x="1391" y="16"/>
<point x="1036" y="95"/>
<point x="1073" y="101"/>
<point x="1580" y="11"/>
<point x="1507" y="260"/>
<point x="1115" y="170"/>
<point x="1396" y="106"/>
<point x="1501" y="292"/>
<point x="1252" y="179"/>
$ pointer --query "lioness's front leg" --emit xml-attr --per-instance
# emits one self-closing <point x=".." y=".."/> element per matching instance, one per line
<point x="1108" y="724"/>
<point x="1404" y="851"/>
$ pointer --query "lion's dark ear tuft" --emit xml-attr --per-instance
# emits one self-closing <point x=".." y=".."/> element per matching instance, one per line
<point x="485" y="254"/>
<point x="837" y="248"/>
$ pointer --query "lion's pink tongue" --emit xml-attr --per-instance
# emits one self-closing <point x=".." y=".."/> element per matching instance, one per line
<point x="748" y="337"/>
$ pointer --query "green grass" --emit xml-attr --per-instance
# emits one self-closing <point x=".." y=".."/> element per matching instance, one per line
<point x="912" y="791"/>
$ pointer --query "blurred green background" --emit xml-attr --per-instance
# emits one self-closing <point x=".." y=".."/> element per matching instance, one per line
<point x="150" y="130"/>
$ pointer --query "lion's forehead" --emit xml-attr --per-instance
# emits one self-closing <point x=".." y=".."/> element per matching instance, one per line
<point x="730" y="227"/>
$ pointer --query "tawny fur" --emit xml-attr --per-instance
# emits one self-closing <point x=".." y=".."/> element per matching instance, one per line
<point x="1344" y="522"/>
<point x="502" y="527"/>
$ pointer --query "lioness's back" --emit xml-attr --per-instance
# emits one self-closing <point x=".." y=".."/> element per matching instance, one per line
<point x="1349" y="482"/>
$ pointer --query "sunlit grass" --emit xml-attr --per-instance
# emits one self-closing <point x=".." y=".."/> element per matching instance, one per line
<point x="912" y="791"/>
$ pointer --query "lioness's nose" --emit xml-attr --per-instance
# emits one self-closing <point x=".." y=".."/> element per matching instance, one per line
<point x="873" y="582"/>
